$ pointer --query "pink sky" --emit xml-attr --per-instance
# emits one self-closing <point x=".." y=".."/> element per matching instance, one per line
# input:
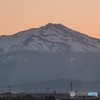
<point x="80" y="15"/>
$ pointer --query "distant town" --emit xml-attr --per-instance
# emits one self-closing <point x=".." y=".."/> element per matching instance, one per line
<point x="72" y="95"/>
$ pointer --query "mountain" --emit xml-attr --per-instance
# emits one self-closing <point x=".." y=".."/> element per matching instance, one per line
<point x="49" y="52"/>
<point x="60" y="85"/>
<point x="54" y="38"/>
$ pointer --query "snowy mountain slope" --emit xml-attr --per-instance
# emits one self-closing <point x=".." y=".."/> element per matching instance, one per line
<point x="52" y="38"/>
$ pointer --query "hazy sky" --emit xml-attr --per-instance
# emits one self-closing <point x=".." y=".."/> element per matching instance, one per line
<point x="80" y="15"/>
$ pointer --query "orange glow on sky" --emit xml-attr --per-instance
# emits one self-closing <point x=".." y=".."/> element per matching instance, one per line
<point x="80" y="15"/>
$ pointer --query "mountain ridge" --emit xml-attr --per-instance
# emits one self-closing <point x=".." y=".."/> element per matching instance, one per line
<point x="61" y="84"/>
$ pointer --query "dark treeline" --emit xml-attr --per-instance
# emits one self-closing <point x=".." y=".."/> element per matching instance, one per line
<point x="29" y="97"/>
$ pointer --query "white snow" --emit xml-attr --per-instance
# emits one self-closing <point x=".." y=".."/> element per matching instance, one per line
<point x="43" y="38"/>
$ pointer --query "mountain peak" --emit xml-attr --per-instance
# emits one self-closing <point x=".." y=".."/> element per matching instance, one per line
<point x="52" y="24"/>
<point x="49" y="25"/>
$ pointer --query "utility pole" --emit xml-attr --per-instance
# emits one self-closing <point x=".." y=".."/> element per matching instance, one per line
<point x="9" y="88"/>
<point x="26" y="90"/>
<point x="35" y="90"/>
<point x="47" y="90"/>
<point x="9" y="91"/>
<point x="71" y="86"/>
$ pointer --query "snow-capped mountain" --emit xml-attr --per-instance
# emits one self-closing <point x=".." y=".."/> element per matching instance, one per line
<point x="49" y="52"/>
<point x="49" y="38"/>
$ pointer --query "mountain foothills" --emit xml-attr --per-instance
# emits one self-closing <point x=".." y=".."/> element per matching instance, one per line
<point x="48" y="53"/>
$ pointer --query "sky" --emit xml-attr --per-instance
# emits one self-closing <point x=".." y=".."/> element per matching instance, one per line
<point x="79" y="15"/>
